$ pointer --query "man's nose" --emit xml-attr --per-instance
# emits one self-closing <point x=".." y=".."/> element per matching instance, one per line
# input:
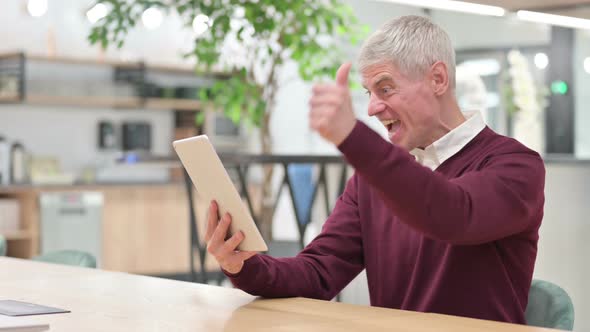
<point x="375" y="107"/>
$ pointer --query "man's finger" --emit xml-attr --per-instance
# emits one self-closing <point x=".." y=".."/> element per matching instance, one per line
<point x="212" y="220"/>
<point x="342" y="74"/>
<point x="319" y="117"/>
<point x="326" y="99"/>
<point x="319" y="89"/>
<point x="232" y="243"/>
<point x="321" y="111"/>
<point x="221" y="231"/>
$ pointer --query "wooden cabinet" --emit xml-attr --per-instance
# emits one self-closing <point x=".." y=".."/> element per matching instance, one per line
<point x="24" y="242"/>
<point x="145" y="227"/>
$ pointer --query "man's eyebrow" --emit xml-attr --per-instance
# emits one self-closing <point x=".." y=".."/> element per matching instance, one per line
<point x="380" y="80"/>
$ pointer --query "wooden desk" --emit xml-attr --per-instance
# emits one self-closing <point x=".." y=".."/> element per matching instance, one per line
<point x="112" y="301"/>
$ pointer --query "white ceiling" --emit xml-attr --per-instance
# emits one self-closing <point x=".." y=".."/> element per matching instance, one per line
<point x="579" y="8"/>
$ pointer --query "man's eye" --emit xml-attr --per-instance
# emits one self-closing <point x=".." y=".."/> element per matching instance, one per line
<point x="386" y="90"/>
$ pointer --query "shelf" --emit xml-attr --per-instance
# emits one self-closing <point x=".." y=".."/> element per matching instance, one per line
<point x="9" y="99"/>
<point x="173" y="104"/>
<point x="10" y="55"/>
<point x="18" y="235"/>
<point x="188" y="105"/>
<point x="133" y="74"/>
<point x="84" y="101"/>
<point x="187" y="70"/>
<point x="82" y="61"/>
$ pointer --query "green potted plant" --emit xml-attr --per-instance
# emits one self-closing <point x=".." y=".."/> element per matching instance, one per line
<point x="269" y="34"/>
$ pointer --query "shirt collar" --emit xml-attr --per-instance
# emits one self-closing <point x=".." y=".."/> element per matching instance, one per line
<point x="451" y="143"/>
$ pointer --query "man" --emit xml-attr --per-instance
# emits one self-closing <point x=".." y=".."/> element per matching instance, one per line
<point x="451" y="229"/>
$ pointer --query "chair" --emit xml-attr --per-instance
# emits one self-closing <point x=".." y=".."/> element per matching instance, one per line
<point x="303" y="189"/>
<point x="549" y="306"/>
<point x="2" y="246"/>
<point x="68" y="257"/>
<point x="65" y="257"/>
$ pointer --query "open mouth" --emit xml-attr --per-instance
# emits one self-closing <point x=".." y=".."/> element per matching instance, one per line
<point x="391" y="125"/>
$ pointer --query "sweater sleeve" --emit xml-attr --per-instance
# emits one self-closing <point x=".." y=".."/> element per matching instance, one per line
<point x="504" y="198"/>
<point x="322" y="269"/>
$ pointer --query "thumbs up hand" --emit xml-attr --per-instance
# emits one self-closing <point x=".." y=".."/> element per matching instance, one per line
<point x="331" y="113"/>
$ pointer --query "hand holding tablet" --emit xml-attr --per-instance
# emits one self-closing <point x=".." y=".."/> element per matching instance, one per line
<point x="224" y="251"/>
<point x="213" y="184"/>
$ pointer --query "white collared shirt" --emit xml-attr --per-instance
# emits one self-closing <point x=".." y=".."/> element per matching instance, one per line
<point x="445" y="147"/>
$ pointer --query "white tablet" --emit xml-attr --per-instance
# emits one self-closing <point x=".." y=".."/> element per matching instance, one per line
<point x="213" y="183"/>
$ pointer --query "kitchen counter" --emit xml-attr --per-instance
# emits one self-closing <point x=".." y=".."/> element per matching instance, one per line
<point x="83" y="186"/>
<point x="144" y="225"/>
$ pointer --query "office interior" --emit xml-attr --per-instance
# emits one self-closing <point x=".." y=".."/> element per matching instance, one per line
<point x="86" y="156"/>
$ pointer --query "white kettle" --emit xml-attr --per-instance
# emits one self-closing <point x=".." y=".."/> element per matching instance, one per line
<point x="4" y="161"/>
<point x="18" y="163"/>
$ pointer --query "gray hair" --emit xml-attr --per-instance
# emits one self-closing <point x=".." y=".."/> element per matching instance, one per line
<point x="412" y="43"/>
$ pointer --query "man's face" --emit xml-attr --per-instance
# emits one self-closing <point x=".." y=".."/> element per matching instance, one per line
<point x="407" y="107"/>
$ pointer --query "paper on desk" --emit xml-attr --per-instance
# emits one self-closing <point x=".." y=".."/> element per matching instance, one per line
<point x="21" y="324"/>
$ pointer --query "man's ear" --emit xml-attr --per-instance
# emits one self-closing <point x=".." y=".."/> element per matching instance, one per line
<point x="439" y="76"/>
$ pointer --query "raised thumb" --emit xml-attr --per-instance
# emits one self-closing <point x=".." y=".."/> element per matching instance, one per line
<point x="342" y="74"/>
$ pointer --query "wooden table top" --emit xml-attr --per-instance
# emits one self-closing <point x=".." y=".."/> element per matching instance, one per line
<point x="111" y="301"/>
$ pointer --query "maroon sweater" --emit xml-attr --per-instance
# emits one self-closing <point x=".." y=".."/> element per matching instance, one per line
<point x="461" y="240"/>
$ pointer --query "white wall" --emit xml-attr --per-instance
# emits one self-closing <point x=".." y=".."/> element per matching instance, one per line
<point x="563" y="244"/>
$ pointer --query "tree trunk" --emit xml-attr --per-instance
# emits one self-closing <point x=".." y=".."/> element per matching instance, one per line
<point x="267" y="197"/>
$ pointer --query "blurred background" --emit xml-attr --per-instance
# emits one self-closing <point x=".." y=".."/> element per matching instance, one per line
<point x="86" y="126"/>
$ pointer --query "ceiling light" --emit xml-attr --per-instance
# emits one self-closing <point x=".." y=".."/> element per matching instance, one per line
<point x="587" y="65"/>
<point x="200" y="24"/>
<point x="565" y="21"/>
<point x="458" y="6"/>
<point x="541" y="60"/>
<point x="152" y="18"/>
<point x="97" y="12"/>
<point x="37" y="8"/>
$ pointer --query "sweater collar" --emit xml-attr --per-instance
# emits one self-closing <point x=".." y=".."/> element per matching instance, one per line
<point x="447" y="146"/>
